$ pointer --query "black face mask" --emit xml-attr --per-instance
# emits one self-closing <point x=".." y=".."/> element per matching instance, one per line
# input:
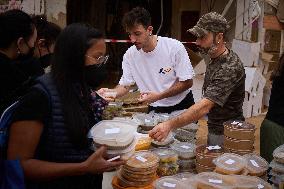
<point x="45" y="60"/>
<point x="27" y="56"/>
<point x="95" y="75"/>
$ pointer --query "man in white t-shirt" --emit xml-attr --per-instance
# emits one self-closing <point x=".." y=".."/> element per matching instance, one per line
<point x="160" y="67"/>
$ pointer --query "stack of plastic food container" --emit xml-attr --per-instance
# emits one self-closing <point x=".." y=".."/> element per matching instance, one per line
<point x="168" y="161"/>
<point x="239" y="137"/>
<point x="170" y="182"/>
<point x="183" y="135"/>
<point x="256" y="165"/>
<point x="118" y="136"/>
<point x="229" y="164"/>
<point x="139" y="170"/>
<point x="277" y="167"/>
<point x="204" y="157"/>
<point x="186" y="155"/>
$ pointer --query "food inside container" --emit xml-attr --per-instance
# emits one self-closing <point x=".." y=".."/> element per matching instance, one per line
<point x="249" y="182"/>
<point x="202" y="168"/>
<point x="113" y="134"/>
<point x="238" y="144"/>
<point x="167" y="169"/>
<point x="170" y="182"/>
<point x="205" y="154"/>
<point x="124" y="154"/>
<point x="186" y="165"/>
<point x="143" y="143"/>
<point x="277" y="167"/>
<point x="184" y="175"/>
<point x="192" y="127"/>
<point x="229" y="164"/>
<point x="166" y="155"/>
<point x="239" y="130"/>
<point x="142" y="160"/>
<point x="211" y="180"/>
<point x="185" y="150"/>
<point x="166" y="142"/>
<point x="278" y="154"/>
<point x="184" y="135"/>
<point x="256" y="165"/>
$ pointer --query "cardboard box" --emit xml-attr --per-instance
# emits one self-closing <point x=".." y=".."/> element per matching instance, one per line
<point x="247" y="51"/>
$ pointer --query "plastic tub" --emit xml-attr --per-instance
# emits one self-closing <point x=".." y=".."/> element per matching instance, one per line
<point x="239" y="152"/>
<point x="124" y="182"/>
<point x="167" y="169"/>
<point x="114" y="134"/>
<point x="229" y="164"/>
<point x="124" y="154"/>
<point x="238" y="144"/>
<point x="166" y="155"/>
<point x="169" y="140"/>
<point x="249" y="182"/>
<point x="206" y="154"/>
<point x="186" y="165"/>
<point x="142" y="160"/>
<point x="184" y="175"/>
<point x="214" y="181"/>
<point x="256" y="165"/>
<point x="185" y="136"/>
<point x="277" y="167"/>
<point x="278" y="154"/>
<point x="170" y="182"/>
<point x="193" y="127"/>
<point x="184" y="150"/>
<point x="239" y="130"/>
<point x="201" y="168"/>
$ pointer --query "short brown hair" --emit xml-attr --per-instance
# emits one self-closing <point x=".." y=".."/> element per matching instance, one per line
<point x="137" y="15"/>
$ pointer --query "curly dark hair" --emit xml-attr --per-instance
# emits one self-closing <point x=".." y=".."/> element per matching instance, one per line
<point x="137" y="15"/>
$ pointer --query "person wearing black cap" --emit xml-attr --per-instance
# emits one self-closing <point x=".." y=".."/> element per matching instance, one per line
<point x="224" y="84"/>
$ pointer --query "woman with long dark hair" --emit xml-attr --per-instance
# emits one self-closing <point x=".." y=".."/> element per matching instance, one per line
<point x="272" y="127"/>
<point x="49" y="130"/>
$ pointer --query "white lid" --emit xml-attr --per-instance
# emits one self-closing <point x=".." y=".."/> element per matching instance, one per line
<point x="113" y="133"/>
<point x="214" y="180"/>
<point x="184" y="149"/>
<point x="169" y="182"/>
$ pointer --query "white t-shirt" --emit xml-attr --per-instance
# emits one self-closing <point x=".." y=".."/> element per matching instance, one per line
<point x="157" y="70"/>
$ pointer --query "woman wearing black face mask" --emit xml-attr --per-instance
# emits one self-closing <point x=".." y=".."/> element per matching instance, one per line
<point x="17" y="39"/>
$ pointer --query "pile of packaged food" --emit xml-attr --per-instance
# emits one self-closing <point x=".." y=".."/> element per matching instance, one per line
<point x="168" y="161"/>
<point x="239" y="137"/>
<point x="205" y="155"/>
<point x="117" y="135"/>
<point x="186" y="155"/>
<point x="139" y="170"/>
<point x="277" y="167"/>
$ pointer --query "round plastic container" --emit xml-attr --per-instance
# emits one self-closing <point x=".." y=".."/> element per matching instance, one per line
<point x="201" y="168"/>
<point x="166" y="155"/>
<point x="229" y="164"/>
<point x="277" y="167"/>
<point x="256" y="165"/>
<point x="238" y="144"/>
<point x="185" y="136"/>
<point x="239" y="152"/>
<point x="186" y="165"/>
<point x="213" y="180"/>
<point x="142" y="160"/>
<point x="184" y="175"/>
<point x="112" y="133"/>
<point x="193" y="127"/>
<point x="278" y="154"/>
<point x="249" y="182"/>
<point x="170" y="182"/>
<point x="125" y="154"/>
<point x="205" y="154"/>
<point x="125" y="182"/>
<point x="239" y="130"/>
<point x="184" y="150"/>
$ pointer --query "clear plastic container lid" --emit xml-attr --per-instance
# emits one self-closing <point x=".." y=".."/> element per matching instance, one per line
<point x="185" y="150"/>
<point x="213" y="180"/>
<point x="277" y="167"/>
<point x="250" y="182"/>
<point x="209" y="150"/>
<point x="166" y="155"/>
<point x="184" y="135"/>
<point x="239" y="125"/>
<point x="230" y="162"/>
<point x="113" y="133"/>
<point x="278" y="153"/>
<point x="143" y="159"/>
<point x="193" y="127"/>
<point x="130" y="148"/>
<point x="169" y="182"/>
<point x="185" y="175"/>
<point x="146" y="119"/>
<point x="255" y="163"/>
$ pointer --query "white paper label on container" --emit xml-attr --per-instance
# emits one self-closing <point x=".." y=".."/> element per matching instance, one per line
<point x="213" y="147"/>
<point x="165" y="116"/>
<point x="185" y="147"/>
<point x="147" y="121"/>
<point x="215" y="181"/>
<point x="240" y="124"/>
<point x="230" y="161"/>
<point x="112" y="131"/>
<point x="170" y="185"/>
<point x="260" y="186"/>
<point x="140" y="158"/>
<point x="234" y="122"/>
<point x="254" y="163"/>
<point x="161" y="154"/>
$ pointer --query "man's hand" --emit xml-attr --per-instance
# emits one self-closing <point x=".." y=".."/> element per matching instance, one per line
<point x="149" y="97"/>
<point x="160" y="131"/>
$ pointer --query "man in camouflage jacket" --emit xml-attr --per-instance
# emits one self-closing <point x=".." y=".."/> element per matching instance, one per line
<point x="224" y="84"/>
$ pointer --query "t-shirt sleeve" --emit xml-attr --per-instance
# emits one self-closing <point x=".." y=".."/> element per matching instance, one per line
<point x="222" y="85"/>
<point x="33" y="106"/>
<point x="183" y="67"/>
<point x="127" y="77"/>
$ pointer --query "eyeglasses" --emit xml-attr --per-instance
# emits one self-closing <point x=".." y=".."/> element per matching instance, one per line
<point x="99" y="61"/>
